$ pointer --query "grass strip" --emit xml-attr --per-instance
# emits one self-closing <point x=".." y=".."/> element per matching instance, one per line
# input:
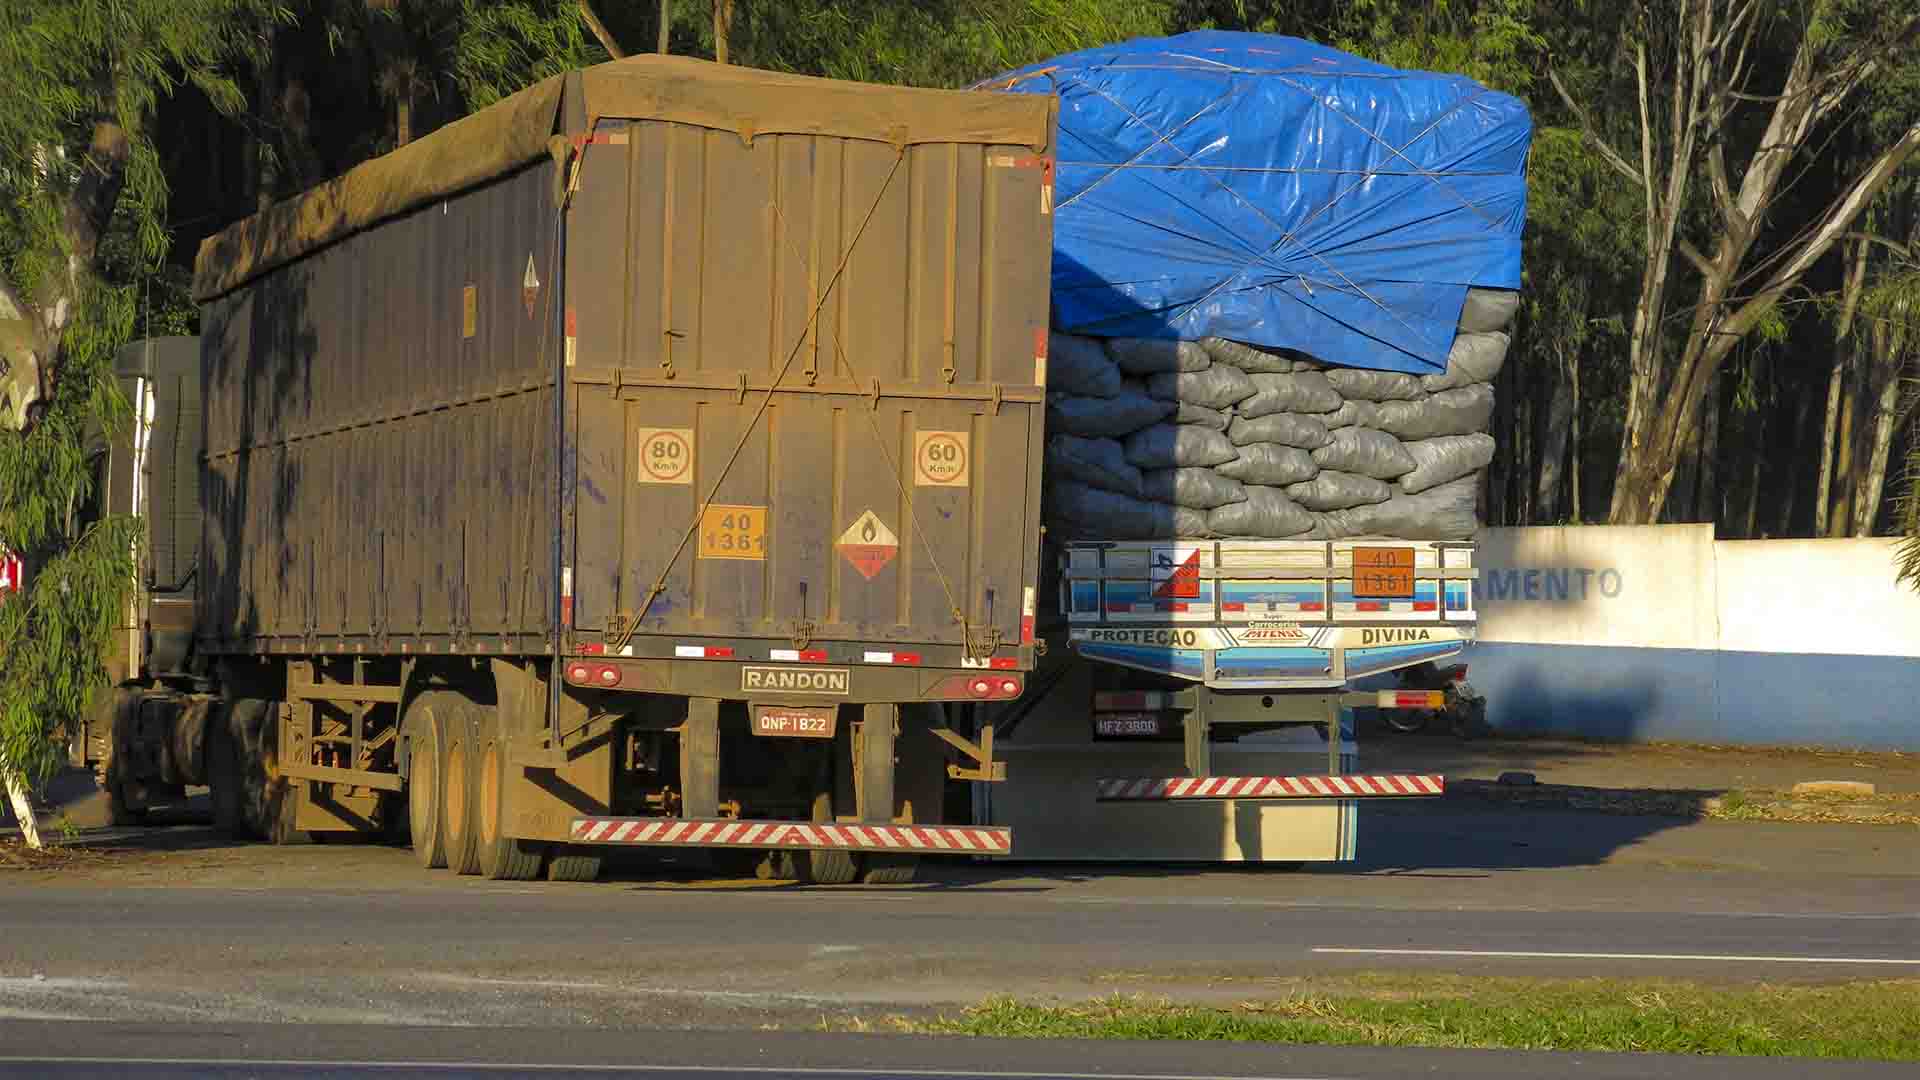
<point x="1877" y="1020"/>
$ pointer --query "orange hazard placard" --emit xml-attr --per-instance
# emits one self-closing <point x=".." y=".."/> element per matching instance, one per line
<point x="1383" y="573"/>
<point x="868" y="545"/>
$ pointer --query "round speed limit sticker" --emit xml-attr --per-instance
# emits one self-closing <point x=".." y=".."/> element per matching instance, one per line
<point x="666" y="456"/>
<point x="941" y="458"/>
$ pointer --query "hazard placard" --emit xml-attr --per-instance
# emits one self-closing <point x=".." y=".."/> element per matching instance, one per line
<point x="734" y="532"/>
<point x="666" y="456"/>
<point x="941" y="458"/>
<point x="868" y="545"/>
<point x="1176" y="573"/>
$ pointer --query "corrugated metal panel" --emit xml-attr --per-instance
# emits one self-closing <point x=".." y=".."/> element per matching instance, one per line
<point x="703" y="270"/>
<point x="376" y="475"/>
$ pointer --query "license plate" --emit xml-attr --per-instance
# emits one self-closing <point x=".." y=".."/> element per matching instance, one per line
<point x="1383" y="573"/>
<point x="794" y="721"/>
<point x="1127" y="725"/>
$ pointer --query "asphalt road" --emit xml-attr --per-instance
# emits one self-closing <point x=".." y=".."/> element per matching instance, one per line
<point x="72" y="1051"/>
<point x="183" y="949"/>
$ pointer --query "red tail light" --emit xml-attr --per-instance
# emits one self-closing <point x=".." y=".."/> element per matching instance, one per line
<point x="1461" y="675"/>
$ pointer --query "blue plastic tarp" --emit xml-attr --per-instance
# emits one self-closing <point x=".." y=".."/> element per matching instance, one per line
<point x="1280" y="193"/>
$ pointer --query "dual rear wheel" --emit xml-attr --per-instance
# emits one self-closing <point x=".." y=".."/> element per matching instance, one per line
<point x="459" y="779"/>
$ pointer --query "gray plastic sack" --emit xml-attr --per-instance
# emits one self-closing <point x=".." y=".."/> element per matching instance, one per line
<point x="1473" y="358"/>
<point x="1092" y="514"/>
<point x="1270" y="463"/>
<point x="1080" y="366"/>
<point x="1100" y="463"/>
<point x="1290" y="429"/>
<point x="1102" y="418"/>
<point x="1245" y="357"/>
<point x="1150" y="356"/>
<point x="1189" y="413"/>
<point x="1200" y="489"/>
<point x="1365" y="451"/>
<point x="1216" y="388"/>
<point x="1488" y="309"/>
<point x="1267" y="514"/>
<point x="1299" y="392"/>
<point x="1351" y="414"/>
<point x="1440" y="513"/>
<point x="1445" y="459"/>
<point x="1179" y="446"/>
<point x="1460" y="411"/>
<point x="1334" y="490"/>
<point x="1352" y="383"/>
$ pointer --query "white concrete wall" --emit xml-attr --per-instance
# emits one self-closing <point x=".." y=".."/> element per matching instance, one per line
<point x="1832" y="597"/>
<point x="1665" y="633"/>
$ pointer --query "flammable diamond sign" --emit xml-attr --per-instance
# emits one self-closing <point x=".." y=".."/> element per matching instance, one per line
<point x="869" y="545"/>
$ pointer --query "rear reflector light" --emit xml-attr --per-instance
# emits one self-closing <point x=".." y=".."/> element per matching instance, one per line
<point x="593" y="674"/>
<point x="580" y="673"/>
<point x="595" y="649"/>
<point x="1461" y="675"/>
<point x="982" y="688"/>
<point x="609" y="676"/>
<point x="1417" y="699"/>
<point x="804" y="656"/>
<point x="703" y="652"/>
<point x="892" y="658"/>
<point x="1010" y="687"/>
<point x="1005" y="663"/>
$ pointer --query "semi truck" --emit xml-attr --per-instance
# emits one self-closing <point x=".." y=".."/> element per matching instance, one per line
<point x="651" y="458"/>
<point x="654" y="459"/>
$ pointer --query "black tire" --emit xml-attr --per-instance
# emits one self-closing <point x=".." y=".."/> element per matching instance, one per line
<point x="459" y="769"/>
<point x="891" y="869"/>
<point x="223" y="784"/>
<point x="1407" y="721"/>
<point x="574" y="864"/>
<point x="502" y="856"/>
<point x="827" y="867"/>
<point x="425" y="728"/>
<point x="270" y="803"/>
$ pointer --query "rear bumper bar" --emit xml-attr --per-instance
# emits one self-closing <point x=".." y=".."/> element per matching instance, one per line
<point x="1403" y="786"/>
<point x="679" y="832"/>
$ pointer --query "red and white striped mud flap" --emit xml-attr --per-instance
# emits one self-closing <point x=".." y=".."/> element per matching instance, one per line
<point x="678" y="832"/>
<point x="1273" y="787"/>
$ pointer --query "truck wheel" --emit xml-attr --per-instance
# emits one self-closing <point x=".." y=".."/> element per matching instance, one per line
<point x="891" y="869"/>
<point x="502" y="856"/>
<point x="457" y="803"/>
<point x="223" y="785"/>
<point x="574" y="864"/>
<point x="827" y="867"/>
<point x="426" y="794"/>
<point x="275" y="799"/>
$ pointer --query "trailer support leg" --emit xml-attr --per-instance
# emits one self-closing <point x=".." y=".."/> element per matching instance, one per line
<point x="700" y="759"/>
<point x="874" y="793"/>
<point x="1199" y="745"/>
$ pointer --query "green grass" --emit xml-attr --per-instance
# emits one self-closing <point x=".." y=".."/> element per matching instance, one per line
<point x="1863" y="1020"/>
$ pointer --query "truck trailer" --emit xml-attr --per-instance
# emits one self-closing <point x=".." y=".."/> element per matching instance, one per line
<point x="649" y="459"/>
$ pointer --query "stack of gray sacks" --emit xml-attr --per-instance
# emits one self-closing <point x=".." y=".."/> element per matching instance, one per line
<point x="1152" y="439"/>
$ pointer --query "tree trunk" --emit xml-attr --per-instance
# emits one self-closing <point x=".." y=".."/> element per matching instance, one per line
<point x="1706" y="476"/>
<point x="1576" y="461"/>
<point x="666" y="23"/>
<point x="1823" y="492"/>
<point x="722" y="27"/>
<point x="1852" y="286"/>
<point x="23" y="807"/>
<point x="1553" y="442"/>
<point x="1866" y="505"/>
<point x="1757" y="454"/>
<point x="1789" y="487"/>
<point x="1847" y="447"/>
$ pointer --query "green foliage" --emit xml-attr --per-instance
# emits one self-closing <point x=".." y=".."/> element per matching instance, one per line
<point x="70" y="70"/>
<point x="500" y="48"/>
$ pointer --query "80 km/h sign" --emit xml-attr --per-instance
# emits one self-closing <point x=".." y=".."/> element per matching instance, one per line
<point x="666" y="456"/>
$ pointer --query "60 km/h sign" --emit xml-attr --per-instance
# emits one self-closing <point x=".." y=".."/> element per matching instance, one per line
<point x="666" y="456"/>
<point x="940" y="458"/>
